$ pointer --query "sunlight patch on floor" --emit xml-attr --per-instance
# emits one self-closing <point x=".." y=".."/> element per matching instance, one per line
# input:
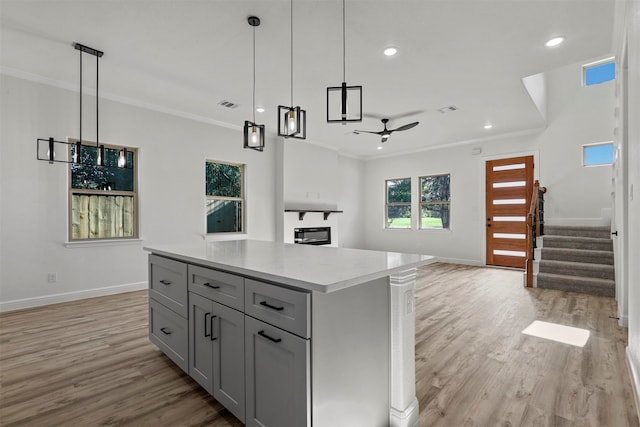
<point x="560" y="333"/>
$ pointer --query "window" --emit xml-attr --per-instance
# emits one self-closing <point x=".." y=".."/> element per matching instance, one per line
<point x="435" y="201"/>
<point x="103" y="200"/>
<point x="398" y="203"/>
<point x="599" y="72"/>
<point x="597" y="154"/>
<point x="224" y="189"/>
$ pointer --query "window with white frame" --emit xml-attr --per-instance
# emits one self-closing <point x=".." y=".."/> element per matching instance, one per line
<point x="435" y="201"/>
<point x="597" y="154"/>
<point x="225" y="201"/>
<point x="599" y="72"/>
<point x="398" y="203"/>
<point x="103" y="200"/>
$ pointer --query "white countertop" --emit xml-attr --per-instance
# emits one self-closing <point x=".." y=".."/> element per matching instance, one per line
<point x="314" y="268"/>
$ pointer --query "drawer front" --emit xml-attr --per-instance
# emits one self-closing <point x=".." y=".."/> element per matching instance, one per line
<point x="170" y="333"/>
<point x="225" y="288"/>
<point x="168" y="283"/>
<point x="278" y="306"/>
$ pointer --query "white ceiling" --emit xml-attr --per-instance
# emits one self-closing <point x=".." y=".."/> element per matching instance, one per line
<point x="186" y="56"/>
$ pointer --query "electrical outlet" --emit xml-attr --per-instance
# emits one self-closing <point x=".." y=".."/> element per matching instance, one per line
<point x="408" y="300"/>
<point x="52" y="277"/>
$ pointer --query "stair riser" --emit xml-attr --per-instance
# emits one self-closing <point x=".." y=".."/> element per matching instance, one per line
<point x="560" y="231"/>
<point x="573" y="286"/>
<point x="605" y="245"/>
<point x="604" y="273"/>
<point x="578" y="257"/>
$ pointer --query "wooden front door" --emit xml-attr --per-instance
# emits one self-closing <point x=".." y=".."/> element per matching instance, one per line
<point x="508" y="191"/>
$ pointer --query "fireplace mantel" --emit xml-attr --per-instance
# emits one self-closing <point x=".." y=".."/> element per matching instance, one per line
<point x="303" y="212"/>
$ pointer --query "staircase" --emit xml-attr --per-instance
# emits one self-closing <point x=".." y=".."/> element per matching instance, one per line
<point x="576" y="259"/>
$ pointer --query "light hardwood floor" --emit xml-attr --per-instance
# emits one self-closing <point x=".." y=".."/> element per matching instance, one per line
<point x="90" y="363"/>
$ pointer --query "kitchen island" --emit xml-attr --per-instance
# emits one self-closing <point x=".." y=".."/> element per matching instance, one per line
<point x="285" y="334"/>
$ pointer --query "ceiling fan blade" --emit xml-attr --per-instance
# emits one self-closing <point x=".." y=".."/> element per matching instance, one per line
<point x="406" y="127"/>
<point x="367" y="131"/>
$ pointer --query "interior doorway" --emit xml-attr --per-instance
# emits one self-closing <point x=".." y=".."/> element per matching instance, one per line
<point x="509" y="184"/>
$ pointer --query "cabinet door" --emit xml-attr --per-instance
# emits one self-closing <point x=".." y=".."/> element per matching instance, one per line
<point x="277" y="369"/>
<point x="200" y="343"/>
<point x="228" y="358"/>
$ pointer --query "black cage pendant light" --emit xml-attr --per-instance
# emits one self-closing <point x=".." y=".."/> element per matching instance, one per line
<point x="50" y="143"/>
<point x="344" y="103"/>
<point x="292" y="121"/>
<point x="254" y="133"/>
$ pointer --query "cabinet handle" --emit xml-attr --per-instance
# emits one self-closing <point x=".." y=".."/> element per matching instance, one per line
<point x="262" y="334"/>
<point x="209" y="285"/>
<point x="205" y="325"/>
<point x="165" y="282"/>
<point x="165" y="331"/>
<point x="212" y="337"/>
<point x="272" y="307"/>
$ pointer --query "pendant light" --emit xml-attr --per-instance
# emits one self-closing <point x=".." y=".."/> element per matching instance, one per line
<point x="51" y="142"/>
<point x="344" y="103"/>
<point x="292" y="121"/>
<point x="254" y="133"/>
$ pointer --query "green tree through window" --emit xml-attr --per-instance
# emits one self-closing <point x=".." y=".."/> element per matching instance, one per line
<point x="224" y="189"/>
<point x="398" y="203"/>
<point x="435" y="201"/>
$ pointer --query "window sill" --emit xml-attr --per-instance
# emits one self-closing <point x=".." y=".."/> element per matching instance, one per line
<point x="105" y="242"/>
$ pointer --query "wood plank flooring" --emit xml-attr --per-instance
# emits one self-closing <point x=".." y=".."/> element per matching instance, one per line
<point x="90" y="363"/>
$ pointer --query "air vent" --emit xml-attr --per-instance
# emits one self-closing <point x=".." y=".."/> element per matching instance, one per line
<point x="449" y="109"/>
<point x="228" y="104"/>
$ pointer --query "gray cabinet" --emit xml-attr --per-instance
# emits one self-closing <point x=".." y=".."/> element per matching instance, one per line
<point x="169" y="331"/>
<point x="278" y="376"/>
<point x="216" y="351"/>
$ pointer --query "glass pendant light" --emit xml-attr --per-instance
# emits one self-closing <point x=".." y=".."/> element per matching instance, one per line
<point x="292" y="121"/>
<point x="254" y="133"/>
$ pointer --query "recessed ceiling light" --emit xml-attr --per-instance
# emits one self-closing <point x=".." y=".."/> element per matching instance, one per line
<point x="379" y="148"/>
<point x="390" y="51"/>
<point x="488" y="126"/>
<point x="554" y="42"/>
<point x="260" y="110"/>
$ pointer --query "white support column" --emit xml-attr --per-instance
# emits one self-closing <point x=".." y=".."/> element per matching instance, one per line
<point x="404" y="404"/>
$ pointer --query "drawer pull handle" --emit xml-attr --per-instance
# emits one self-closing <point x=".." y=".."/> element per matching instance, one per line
<point x="209" y="285"/>
<point x="262" y="334"/>
<point x="165" y="331"/>
<point x="212" y="337"/>
<point x="165" y="282"/>
<point x="272" y="307"/>
<point x="205" y="325"/>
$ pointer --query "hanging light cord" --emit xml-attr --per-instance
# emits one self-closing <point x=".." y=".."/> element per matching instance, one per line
<point x="97" y="92"/>
<point x="80" y="96"/>
<point x="344" y="45"/>
<point x="291" y="8"/>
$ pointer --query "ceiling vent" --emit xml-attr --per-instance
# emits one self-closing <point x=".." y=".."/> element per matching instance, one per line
<point x="449" y="109"/>
<point x="228" y="104"/>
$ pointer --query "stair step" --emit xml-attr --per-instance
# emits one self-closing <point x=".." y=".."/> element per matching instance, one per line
<point x="577" y="255"/>
<point x="577" y="231"/>
<point x="586" y="285"/>
<point x="574" y="242"/>
<point x="578" y="269"/>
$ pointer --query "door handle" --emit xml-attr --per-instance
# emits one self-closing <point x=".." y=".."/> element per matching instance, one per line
<point x="614" y="233"/>
<point x="276" y="340"/>
<point x="205" y="325"/>
<point x="211" y="324"/>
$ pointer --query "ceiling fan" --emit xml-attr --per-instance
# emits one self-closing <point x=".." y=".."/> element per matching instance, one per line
<point x="386" y="133"/>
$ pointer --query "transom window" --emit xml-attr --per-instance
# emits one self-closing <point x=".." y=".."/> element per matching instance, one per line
<point x="599" y="72"/>
<point x="398" y="203"/>
<point x="435" y="201"/>
<point x="224" y="190"/>
<point x="103" y="200"/>
<point x="597" y="154"/>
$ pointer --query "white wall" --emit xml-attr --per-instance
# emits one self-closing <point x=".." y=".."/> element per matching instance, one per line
<point x="314" y="177"/>
<point x="632" y="27"/>
<point x="172" y="151"/>
<point x="576" y="116"/>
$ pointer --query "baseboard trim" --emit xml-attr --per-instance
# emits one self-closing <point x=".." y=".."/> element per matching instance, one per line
<point x="19" y="304"/>
<point x="635" y="379"/>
